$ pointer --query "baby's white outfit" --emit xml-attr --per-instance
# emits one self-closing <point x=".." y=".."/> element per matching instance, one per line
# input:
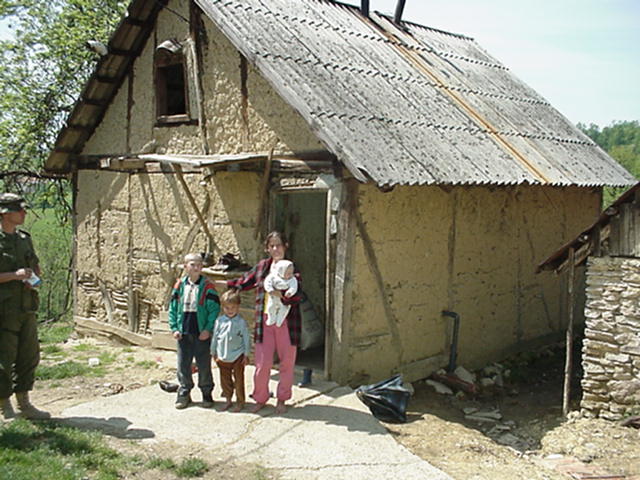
<point x="275" y="309"/>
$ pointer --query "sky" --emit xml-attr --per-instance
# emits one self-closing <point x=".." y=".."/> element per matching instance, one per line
<point x="583" y="56"/>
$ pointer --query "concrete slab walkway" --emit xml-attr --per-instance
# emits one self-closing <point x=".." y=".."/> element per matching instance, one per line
<point x="326" y="434"/>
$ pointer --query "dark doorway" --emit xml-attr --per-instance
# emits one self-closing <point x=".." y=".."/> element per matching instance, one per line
<point x="302" y="216"/>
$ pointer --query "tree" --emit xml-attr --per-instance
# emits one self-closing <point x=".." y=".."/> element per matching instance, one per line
<point x="621" y="140"/>
<point x="42" y="69"/>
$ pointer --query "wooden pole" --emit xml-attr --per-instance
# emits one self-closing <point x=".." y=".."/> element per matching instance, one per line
<point x="264" y="197"/>
<point x="192" y="201"/>
<point x="569" y="340"/>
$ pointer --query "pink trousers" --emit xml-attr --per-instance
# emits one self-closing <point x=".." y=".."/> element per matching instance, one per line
<point x="274" y="339"/>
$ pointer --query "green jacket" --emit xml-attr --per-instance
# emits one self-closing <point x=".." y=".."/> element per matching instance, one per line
<point x="16" y="251"/>
<point x="208" y="305"/>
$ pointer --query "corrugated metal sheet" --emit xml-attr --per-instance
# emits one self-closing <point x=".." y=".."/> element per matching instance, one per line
<point x="410" y="106"/>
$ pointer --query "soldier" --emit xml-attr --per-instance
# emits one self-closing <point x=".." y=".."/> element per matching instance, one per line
<point x="19" y="349"/>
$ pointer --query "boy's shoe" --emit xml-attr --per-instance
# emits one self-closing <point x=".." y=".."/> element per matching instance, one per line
<point x="207" y="401"/>
<point x="183" y="401"/>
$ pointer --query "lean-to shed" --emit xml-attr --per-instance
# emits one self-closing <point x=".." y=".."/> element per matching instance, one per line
<point x="610" y="251"/>
<point x="412" y="171"/>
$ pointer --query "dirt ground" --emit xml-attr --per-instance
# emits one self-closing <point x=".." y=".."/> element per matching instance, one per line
<point x="526" y="438"/>
<point x="531" y="440"/>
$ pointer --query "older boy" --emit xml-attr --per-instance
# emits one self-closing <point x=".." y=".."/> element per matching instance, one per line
<point x="193" y="310"/>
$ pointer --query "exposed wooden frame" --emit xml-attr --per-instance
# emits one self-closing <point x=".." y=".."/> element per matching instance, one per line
<point x="568" y="361"/>
<point x="194" y="205"/>
<point x="263" y="200"/>
<point x="342" y="284"/>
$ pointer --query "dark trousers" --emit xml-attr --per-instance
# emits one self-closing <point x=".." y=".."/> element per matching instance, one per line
<point x="232" y="378"/>
<point x="19" y="353"/>
<point x="190" y="347"/>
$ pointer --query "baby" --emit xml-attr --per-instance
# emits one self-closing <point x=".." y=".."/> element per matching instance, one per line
<point x="280" y="278"/>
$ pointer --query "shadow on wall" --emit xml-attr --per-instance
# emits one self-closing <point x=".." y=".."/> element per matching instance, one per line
<point x="98" y="190"/>
<point x="239" y="203"/>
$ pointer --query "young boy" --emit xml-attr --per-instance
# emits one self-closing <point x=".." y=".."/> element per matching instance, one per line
<point x="230" y="347"/>
<point x="193" y="310"/>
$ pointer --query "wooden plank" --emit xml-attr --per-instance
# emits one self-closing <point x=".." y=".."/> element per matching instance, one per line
<point x="614" y="236"/>
<point x="635" y="251"/>
<point x="566" y="392"/>
<point x="264" y="198"/>
<point x="625" y="216"/>
<point x="194" y="205"/>
<point x="340" y="329"/>
<point x="195" y="48"/>
<point x="92" y="326"/>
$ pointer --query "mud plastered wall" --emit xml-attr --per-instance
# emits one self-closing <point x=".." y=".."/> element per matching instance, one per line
<point x="611" y="348"/>
<point x="472" y="250"/>
<point x="102" y="238"/>
<point x="133" y="229"/>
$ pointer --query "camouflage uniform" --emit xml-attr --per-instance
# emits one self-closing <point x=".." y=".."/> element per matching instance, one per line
<point x="19" y="349"/>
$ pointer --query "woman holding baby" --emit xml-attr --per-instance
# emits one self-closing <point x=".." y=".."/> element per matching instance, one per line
<point x="277" y="319"/>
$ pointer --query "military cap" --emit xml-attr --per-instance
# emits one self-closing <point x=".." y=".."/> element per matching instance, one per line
<point x="11" y="202"/>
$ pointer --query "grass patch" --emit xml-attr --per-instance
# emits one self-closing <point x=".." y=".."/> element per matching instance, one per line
<point x="146" y="364"/>
<point x="188" y="468"/>
<point x="82" y="347"/>
<point x="52" y="349"/>
<point x="68" y="369"/>
<point x="107" y="358"/>
<point x="57" y="332"/>
<point x="192" y="467"/>
<point x="48" y="451"/>
<point x="162" y="464"/>
<point x="260" y="473"/>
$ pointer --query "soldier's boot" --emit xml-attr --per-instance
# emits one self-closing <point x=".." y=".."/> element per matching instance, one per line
<point x="27" y="410"/>
<point x="6" y="409"/>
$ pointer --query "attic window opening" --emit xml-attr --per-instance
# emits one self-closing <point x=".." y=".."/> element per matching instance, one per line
<point x="171" y="85"/>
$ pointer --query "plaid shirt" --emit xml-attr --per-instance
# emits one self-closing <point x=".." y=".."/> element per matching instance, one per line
<point x="254" y="278"/>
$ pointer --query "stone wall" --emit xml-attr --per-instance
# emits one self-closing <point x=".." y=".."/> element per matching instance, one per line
<point x="611" y="351"/>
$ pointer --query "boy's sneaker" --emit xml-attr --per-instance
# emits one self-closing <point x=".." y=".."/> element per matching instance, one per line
<point x="207" y="401"/>
<point x="183" y="401"/>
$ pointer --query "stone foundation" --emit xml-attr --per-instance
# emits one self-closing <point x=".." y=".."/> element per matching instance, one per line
<point x="611" y="350"/>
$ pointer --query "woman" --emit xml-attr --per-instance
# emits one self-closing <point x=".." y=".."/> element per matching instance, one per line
<point x="283" y="339"/>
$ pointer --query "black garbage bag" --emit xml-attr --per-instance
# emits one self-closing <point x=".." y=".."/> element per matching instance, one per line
<point x="387" y="399"/>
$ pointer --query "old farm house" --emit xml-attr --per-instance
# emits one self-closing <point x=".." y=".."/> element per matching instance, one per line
<point x="412" y="171"/>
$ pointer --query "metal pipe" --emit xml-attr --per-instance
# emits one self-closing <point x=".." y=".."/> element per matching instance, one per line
<point x="399" y="9"/>
<point x="364" y="7"/>
<point x="454" y="339"/>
